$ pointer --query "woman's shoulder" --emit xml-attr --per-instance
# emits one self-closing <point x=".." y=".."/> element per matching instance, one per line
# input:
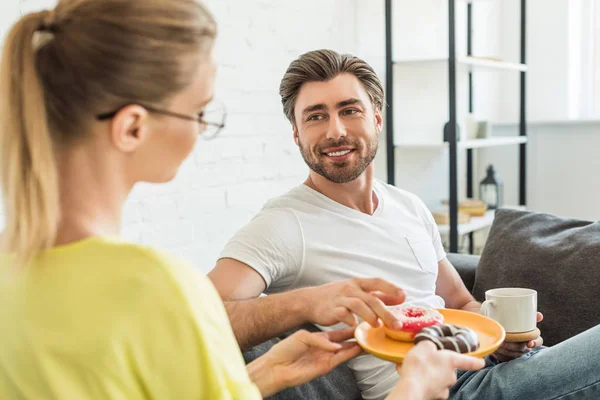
<point x="148" y="268"/>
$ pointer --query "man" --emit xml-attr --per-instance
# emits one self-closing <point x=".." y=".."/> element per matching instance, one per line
<point x="317" y="249"/>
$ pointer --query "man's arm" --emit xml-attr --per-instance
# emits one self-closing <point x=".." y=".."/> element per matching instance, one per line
<point x="449" y="285"/>
<point x="451" y="288"/>
<point x="255" y="320"/>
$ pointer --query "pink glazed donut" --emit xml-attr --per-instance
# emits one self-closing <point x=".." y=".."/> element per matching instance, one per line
<point x="413" y="320"/>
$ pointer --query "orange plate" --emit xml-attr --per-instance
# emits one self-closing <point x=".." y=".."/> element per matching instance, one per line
<point x="490" y="333"/>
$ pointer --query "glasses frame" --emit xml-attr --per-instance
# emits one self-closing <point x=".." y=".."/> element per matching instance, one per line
<point x="199" y="118"/>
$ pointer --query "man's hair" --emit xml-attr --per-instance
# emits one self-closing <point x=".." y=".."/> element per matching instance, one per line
<point x="322" y="66"/>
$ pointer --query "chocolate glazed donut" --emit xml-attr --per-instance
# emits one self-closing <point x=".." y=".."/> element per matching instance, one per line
<point x="450" y="337"/>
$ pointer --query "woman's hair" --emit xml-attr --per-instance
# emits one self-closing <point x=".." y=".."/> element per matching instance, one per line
<point x="62" y="67"/>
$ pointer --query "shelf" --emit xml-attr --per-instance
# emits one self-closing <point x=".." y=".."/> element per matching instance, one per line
<point x="473" y="62"/>
<point x="431" y="146"/>
<point x="492" y="142"/>
<point x="426" y="87"/>
<point x="550" y="122"/>
<point x="468" y="144"/>
<point x="476" y="223"/>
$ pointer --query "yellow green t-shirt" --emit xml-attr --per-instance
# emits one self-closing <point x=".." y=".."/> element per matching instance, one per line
<point x="105" y="319"/>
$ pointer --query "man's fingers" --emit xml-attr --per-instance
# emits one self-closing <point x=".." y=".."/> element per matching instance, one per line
<point x="511" y="355"/>
<point x="536" y="343"/>
<point x="358" y="306"/>
<point x="388" y="299"/>
<point x="340" y="335"/>
<point x="380" y="309"/>
<point x="345" y="316"/>
<point x="464" y="362"/>
<point x="517" y="347"/>
<point x="501" y="358"/>
<point x="388" y="319"/>
<point x="381" y="285"/>
<point x="540" y="317"/>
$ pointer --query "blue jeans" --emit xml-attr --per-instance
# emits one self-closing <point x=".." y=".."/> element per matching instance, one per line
<point x="569" y="370"/>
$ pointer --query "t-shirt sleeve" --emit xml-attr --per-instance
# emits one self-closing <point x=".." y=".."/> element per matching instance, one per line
<point x="432" y="228"/>
<point x="272" y="244"/>
<point x="182" y="346"/>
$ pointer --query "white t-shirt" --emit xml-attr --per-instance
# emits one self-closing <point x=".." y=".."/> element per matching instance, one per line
<point x="304" y="238"/>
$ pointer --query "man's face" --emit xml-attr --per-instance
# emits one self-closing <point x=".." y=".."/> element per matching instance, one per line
<point x="336" y="127"/>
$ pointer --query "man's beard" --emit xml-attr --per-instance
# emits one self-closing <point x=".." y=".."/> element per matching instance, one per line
<point x="340" y="172"/>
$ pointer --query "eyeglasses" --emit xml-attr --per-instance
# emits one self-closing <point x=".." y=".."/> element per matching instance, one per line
<point x="211" y="119"/>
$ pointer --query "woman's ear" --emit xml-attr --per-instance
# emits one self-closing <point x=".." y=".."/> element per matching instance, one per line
<point x="129" y="128"/>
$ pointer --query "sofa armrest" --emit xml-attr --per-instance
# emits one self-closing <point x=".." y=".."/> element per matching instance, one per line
<point x="466" y="266"/>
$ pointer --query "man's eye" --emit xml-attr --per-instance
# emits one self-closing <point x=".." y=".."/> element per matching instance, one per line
<point x="350" y="111"/>
<point x="314" y="117"/>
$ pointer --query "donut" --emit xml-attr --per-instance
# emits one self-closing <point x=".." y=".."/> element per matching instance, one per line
<point x="413" y="319"/>
<point x="450" y="337"/>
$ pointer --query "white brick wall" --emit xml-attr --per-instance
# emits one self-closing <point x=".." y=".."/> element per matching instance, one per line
<point x="226" y="181"/>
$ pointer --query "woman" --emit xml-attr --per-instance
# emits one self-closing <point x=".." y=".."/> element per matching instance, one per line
<point x="96" y="96"/>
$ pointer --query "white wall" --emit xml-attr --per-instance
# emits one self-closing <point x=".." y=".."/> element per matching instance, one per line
<point x="226" y="181"/>
<point x="561" y="168"/>
<point x="554" y="84"/>
<point x="547" y="58"/>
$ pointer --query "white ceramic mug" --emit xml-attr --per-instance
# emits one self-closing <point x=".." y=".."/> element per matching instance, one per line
<point x="513" y="308"/>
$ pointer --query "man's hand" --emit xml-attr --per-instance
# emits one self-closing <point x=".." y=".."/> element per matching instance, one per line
<point x="300" y="358"/>
<point x="510" y="351"/>
<point x="337" y="302"/>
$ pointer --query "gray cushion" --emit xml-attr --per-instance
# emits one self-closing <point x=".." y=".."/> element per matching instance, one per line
<point x="558" y="257"/>
<point x="465" y="265"/>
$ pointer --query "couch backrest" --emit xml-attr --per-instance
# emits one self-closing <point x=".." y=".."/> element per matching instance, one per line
<point x="558" y="257"/>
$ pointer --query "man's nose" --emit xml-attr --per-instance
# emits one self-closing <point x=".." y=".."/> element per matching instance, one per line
<point x="336" y="128"/>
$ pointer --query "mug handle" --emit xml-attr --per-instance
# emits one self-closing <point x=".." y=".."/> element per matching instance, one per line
<point x="485" y="307"/>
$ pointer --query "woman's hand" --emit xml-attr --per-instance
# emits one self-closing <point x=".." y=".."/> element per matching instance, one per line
<point x="300" y="358"/>
<point x="428" y="373"/>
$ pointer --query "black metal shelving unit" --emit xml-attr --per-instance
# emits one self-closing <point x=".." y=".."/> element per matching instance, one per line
<point x="389" y="89"/>
<point x="450" y="132"/>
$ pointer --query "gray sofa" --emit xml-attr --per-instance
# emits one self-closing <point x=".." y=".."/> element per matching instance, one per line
<point x="558" y="257"/>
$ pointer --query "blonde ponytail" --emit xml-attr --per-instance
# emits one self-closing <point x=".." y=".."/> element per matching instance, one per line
<point x="60" y="69"/>
<point x="29" y="172"/>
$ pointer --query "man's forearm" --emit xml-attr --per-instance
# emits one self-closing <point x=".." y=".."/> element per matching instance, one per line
<point x="473" y="306"/>
<point x="257" y="320"/>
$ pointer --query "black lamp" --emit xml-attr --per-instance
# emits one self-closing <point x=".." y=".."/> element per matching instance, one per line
<point x="491" y="189"/>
